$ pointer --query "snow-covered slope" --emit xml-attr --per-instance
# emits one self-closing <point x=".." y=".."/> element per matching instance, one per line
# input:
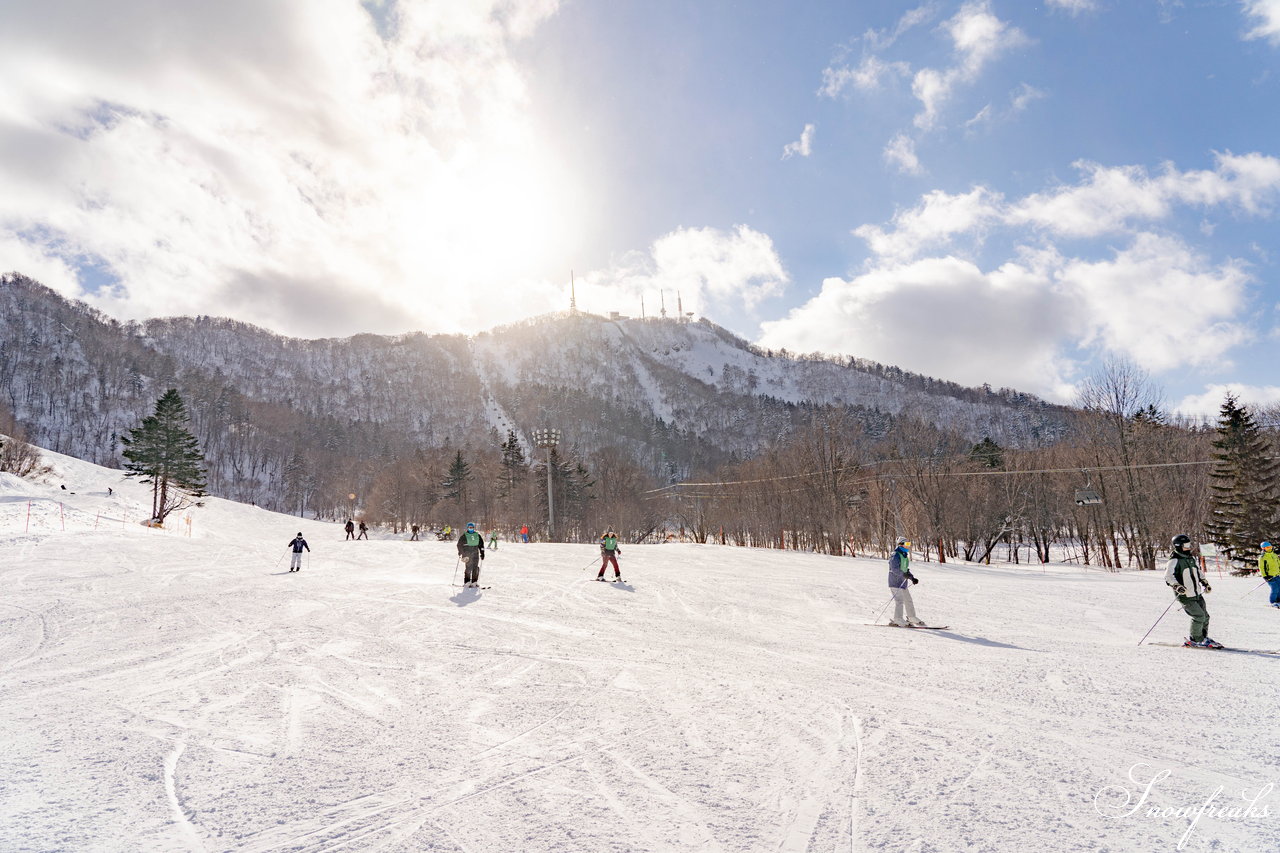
<point x="160" y="691"/>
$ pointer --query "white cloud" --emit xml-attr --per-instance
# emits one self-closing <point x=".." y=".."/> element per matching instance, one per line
<point x="978" y="37"/>
<point x="709" y="267"/>
<point x="1265" y="17"/>
<point x="867" y="76"/>
<point x="943" y="317"/>
<point x="901" y="152"/>
<point x="1107" y="200"/>
<point x="1023" y="96"/>
<point x="912" y="18"/>
<point x="933" y="223"/>
<point x="802" y="146"/>
<point x="1075" y="7"/>
<point x="281" y="162"/>
<point x="1159" y="303"/>
<point x="1155" y="302"/>
<point x="1208" y="403"/>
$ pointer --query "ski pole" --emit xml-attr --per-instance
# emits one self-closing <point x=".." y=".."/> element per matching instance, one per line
<point x="1246" y="595"/>
<point x="882" y="610"/>
<point x="1157" y="622"/>
<point x="455" y="569"/>
<point x="278" y="562"/>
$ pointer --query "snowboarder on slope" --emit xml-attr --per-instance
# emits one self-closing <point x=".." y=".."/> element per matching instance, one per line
<point x="609" y="552"/>
<point x="1182" y="574"/>
<point x="350" y="527"/>
<point x="900" y="578"/>
<point x="297" y="544"/>
<point x="1269" y="568"/>
<point x="471" y="549"/>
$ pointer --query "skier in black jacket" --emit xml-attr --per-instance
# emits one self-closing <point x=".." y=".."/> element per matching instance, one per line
<point x="297" y="544"/>
<point x="471" y="549"/>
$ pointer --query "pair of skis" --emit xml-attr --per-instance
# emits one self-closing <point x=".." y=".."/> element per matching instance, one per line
<point x="1271" y="652"/>
<point x="615" y="580"/>
<point x="913" y="627"/>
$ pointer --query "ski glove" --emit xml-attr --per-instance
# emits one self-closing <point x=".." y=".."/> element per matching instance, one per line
<point x="913" y="578"/>
<point x="1208" y="588"/>
<point x="1179" y="589"/>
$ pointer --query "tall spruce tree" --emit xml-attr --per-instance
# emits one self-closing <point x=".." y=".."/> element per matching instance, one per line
<point x="1244" y="485"/>
<point x="515" y="470"/>
<point x="165" y="453"/>
<point x="454" y="486"/>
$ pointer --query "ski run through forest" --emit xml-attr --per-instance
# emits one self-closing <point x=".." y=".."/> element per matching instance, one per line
<point x="181" y="690"/>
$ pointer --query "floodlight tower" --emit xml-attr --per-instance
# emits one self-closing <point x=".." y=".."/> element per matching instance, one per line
<point x="548" y="438"/>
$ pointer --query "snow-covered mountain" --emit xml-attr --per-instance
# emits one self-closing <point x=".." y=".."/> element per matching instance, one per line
<point x="674" y="396"/>
<point x="179" y="690"/>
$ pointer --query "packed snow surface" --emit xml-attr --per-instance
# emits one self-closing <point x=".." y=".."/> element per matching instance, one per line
<point x="180" y="690"/>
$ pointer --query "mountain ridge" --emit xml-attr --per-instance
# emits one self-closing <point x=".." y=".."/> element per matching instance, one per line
<point x="674" y="396"/>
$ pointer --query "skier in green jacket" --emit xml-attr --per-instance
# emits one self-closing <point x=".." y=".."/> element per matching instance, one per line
<point x="609" y="552"/>
<point x="471" y="549"/>
<point x="1182" y="574"/>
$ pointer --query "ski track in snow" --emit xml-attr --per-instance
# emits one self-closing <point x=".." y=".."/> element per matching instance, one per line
<point x="164" y="692"/>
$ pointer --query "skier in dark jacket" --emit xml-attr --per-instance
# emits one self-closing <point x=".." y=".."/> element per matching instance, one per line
<point x="1182" y="574"/>
<point x="900" y="578"/>
<point x="609" y="552"/>
<point x="350" y="527"/>
<point x="297" y="544"/>
<point x="471" y="549"/>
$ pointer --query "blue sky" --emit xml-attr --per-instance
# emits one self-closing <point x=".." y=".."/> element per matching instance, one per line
<point x="987" y="191"/>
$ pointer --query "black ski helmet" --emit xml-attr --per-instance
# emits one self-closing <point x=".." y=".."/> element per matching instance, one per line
<point x="1180" y="540"/>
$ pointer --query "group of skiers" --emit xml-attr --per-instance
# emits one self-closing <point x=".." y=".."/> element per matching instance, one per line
<point x="1182" y="574"/>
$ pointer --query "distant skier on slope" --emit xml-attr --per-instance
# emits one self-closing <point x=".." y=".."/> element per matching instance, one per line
<point x="1269" y="568"/>
<point x="1182" y="574"/>
<point x="471" y="549"/>
<point x="900" y="578"/>
<point x="297" y="544"/>
<point x="350" y="527"/>
<point x="609" y="552"/>
<point x="364" y="531"/>
<point x="493" y="540"/>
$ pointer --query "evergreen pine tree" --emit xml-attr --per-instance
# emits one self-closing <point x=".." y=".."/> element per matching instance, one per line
<point x="455" y="483"/>
<point x="514" y="467"/>
<point x="1244" y="484"/>
<point x="987" y="453"/>
<point x="163" y="450"/>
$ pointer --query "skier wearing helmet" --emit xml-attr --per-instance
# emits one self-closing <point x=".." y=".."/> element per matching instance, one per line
<point x="900" y="578"/>
<point x="471" y="549"/>
<point x="1182" y="574"/>
<point x="1269" y="568"/>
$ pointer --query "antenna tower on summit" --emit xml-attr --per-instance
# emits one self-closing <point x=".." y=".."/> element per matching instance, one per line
<point x="662" y="295"/>
<point x="573" y="297"/>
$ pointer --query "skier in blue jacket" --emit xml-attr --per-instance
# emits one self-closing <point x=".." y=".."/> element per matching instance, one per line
<point x="900" y="578"/>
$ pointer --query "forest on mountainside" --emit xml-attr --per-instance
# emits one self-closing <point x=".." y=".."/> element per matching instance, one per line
<point x="832" y="454"/>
